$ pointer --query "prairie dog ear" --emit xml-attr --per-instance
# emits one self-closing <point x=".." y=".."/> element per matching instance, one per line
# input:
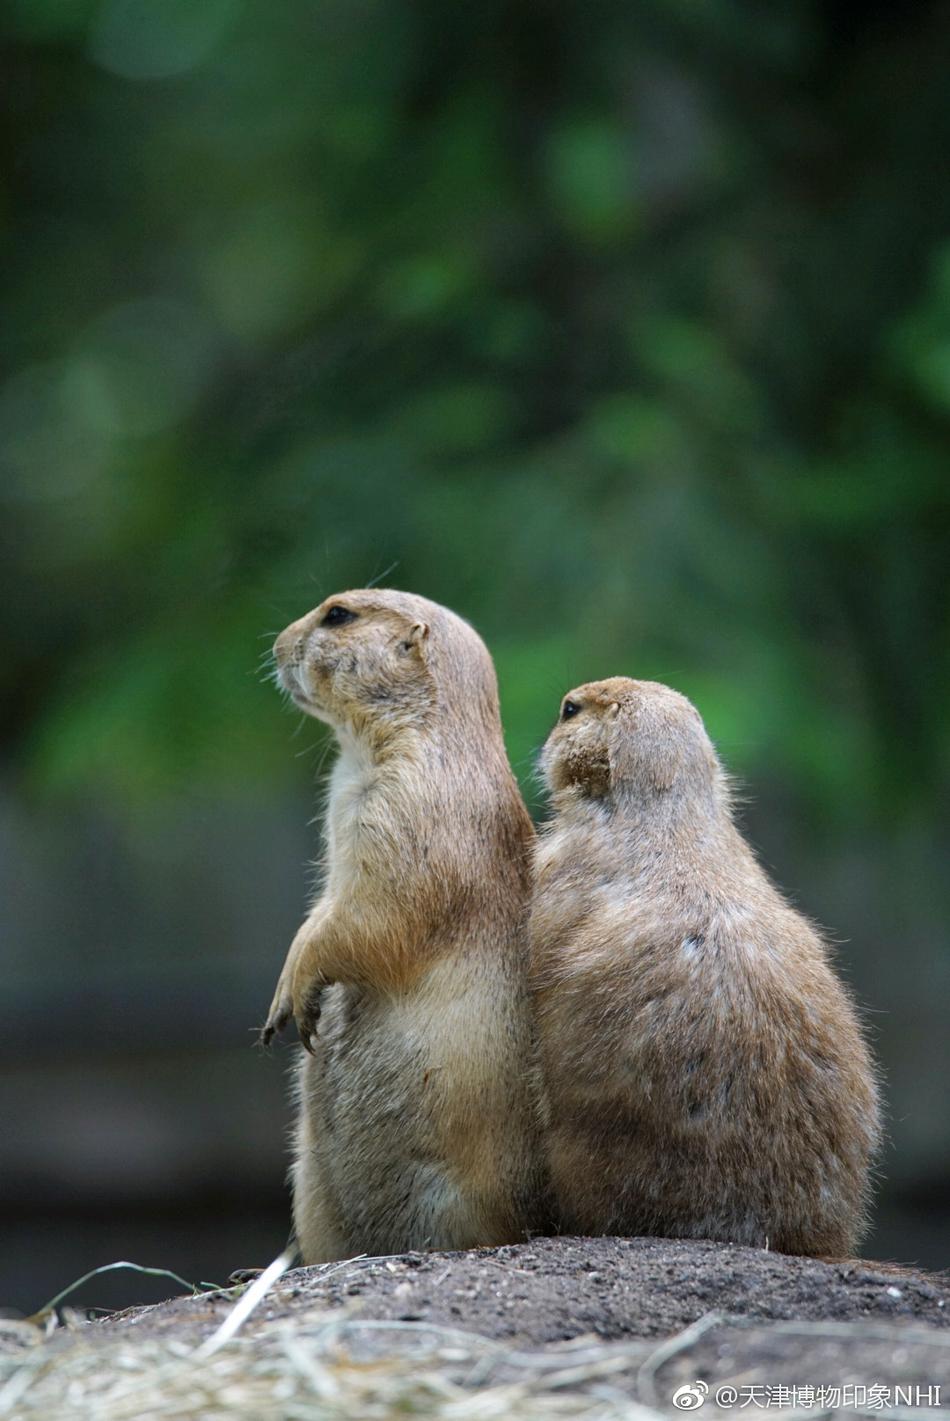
<point x="613" y="710"/>
<point x="416" y="636"/>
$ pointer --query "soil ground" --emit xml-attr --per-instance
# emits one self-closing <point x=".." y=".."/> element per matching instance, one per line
<point x="556" y="1327"/>
<point x="554" y="1289"/>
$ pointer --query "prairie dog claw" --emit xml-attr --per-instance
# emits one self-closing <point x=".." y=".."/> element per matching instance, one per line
<point x="306" y="1010"/>
<point x="281" y="1010"/>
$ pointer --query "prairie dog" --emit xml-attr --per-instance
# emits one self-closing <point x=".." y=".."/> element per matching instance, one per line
<point x="705" y="1074"/>
<point x="408" y="979"/>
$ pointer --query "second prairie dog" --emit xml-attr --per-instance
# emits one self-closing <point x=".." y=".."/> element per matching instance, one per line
<point x="705" y="1074"/>
<point x="408" y="979"/>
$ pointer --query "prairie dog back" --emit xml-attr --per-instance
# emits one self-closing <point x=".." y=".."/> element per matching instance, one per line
<point x="705" y="1073"/>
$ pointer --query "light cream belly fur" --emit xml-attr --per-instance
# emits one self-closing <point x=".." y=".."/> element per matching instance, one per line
<point x="414" y="1118"/>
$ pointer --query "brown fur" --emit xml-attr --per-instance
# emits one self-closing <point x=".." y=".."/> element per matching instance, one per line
<point x="415" y="1127"/>
<point x="705" y="1073"/>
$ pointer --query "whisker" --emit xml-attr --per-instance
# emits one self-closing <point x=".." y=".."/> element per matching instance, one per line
<point x="375" y="580"/>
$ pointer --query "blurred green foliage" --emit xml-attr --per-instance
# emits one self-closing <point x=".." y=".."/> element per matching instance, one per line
<point x="624" y="329"/>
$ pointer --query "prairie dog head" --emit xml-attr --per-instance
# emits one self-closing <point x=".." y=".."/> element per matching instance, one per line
<point x="630" y="739"/>
<point x="375" y="657"/>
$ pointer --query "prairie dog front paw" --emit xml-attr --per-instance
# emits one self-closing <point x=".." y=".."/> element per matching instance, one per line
<point x="282" y="1006"/>
<point x="306" y="992"/>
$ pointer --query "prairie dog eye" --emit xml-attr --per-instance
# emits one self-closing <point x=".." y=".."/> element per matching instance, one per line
<point x="337" y="616"/>
<point x="569" y="709"/>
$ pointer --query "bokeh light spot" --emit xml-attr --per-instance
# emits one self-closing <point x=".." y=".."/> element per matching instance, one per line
<point x="143" y="39"/>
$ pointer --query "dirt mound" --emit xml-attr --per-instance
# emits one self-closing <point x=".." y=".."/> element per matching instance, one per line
<point x="557" y="1327"/>
<point x="555" y="1289"/>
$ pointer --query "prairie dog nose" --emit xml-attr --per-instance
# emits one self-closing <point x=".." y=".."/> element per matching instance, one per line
<point x="288" y="645"/>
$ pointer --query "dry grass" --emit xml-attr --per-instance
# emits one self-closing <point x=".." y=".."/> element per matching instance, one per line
<point x="317" y="1366"/>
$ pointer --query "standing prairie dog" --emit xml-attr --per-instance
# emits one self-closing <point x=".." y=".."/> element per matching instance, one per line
<point x="705" y="1075"/>
<point x="408" y="979"/>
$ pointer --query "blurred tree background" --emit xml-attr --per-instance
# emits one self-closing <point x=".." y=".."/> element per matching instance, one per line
<point x="623" y="329"/>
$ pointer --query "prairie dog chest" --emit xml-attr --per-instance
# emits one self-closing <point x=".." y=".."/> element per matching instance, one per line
<point x="351" y="783"/>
